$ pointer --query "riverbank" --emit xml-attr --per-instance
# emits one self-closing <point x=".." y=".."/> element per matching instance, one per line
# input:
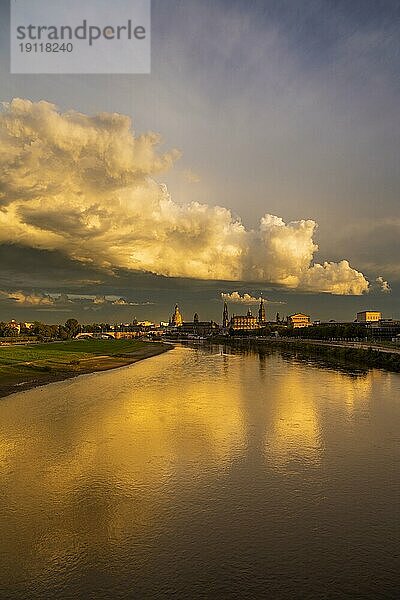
<point x="25" y="367"/>
<point x="342" y="353"/>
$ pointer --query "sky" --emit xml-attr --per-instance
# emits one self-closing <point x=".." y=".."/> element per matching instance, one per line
<point x="260" y="156"/>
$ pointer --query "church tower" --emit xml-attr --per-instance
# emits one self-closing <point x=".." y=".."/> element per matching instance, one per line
<point x="225" y="317"/>
<point x="261" y="313"/>
<point x="176" y="319"/>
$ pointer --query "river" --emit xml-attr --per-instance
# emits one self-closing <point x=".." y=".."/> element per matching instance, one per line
<point x="203" y="473"/>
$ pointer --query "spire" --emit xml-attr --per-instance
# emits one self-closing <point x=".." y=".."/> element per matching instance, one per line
<point x="261" y="313"/>
<point x="225" y="316"/>
<point x="196" y="318"/>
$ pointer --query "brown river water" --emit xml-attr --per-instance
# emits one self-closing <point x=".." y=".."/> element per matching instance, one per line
<point x="203" y="473"/>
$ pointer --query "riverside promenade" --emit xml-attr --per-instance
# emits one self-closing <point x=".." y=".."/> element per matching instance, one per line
<point x="378" y="347"/>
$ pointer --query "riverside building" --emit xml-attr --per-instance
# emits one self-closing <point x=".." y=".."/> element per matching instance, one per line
<point x="246" y="322"/>
<point x="369" y="316"/>
<point x="299" y="320"/>
<point x="198" y="328"/>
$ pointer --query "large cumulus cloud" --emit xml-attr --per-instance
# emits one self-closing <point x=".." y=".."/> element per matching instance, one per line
<point x="86" y="186"/>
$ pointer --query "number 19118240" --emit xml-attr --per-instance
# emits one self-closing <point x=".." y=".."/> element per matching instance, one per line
<point x="45" y="47"/>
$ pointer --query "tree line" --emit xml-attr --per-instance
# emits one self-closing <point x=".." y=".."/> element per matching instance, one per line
<point x="328" y="331"/>
<point x="42" y="331"/>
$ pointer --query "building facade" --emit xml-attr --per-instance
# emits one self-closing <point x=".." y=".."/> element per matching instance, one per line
<point x="384" y="329"/>
<point x="244" y="322"/>
<point x="299" y="320"/>
<point x="369" y="316"/>
<point x="199" y="328"/>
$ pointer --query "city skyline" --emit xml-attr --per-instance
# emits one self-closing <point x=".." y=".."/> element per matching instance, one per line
<point x="231" y="306"/>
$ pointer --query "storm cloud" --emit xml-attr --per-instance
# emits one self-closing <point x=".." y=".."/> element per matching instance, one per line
<point x="86" y="186"/>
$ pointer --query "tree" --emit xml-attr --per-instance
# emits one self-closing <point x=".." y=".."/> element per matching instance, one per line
<point x="43" y="331"/>
<point x="62" y="332"/>
<point x="72" y="327"/>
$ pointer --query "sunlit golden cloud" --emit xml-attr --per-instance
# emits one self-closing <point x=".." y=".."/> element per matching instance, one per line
<point x="85" y="186"/>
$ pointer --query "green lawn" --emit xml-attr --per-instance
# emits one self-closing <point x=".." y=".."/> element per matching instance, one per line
<point x="36" y="363"/>
<point x="63" y="352"/>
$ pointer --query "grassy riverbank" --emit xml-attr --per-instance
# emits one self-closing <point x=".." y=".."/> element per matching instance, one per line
<point x="343" y="355"/>
<point x="24" y="367"/>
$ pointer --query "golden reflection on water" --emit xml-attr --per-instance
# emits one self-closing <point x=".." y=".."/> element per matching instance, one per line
<point x="87" y="464"/>
<point x="357" y="390"/>
<point x="295" y="433"/>
<point x="98" y="452"/>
